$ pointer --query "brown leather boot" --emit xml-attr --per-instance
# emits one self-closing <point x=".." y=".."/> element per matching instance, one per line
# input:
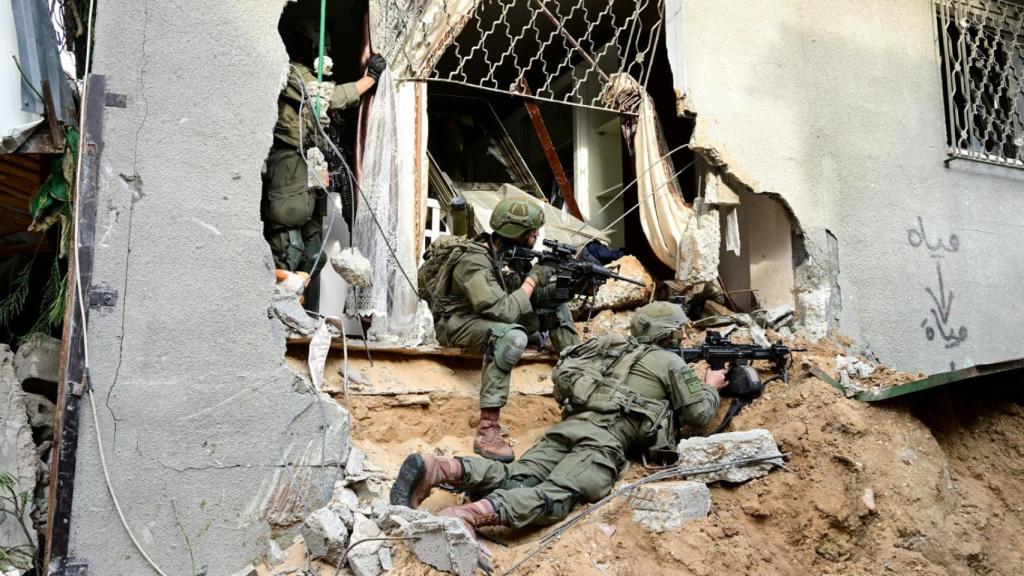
<point x="421" y="472"/>
<point x="474" y="514"/>
<point x="488" y="442"/>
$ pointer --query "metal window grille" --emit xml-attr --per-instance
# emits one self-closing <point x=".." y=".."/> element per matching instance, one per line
<point x="435" y="226"/>
<point x="981" y="44"/>
<point x="562" y="49"/>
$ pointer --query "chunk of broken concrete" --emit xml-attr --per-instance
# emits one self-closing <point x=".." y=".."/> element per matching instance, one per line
<point x="363" y="558"/>
<point x="713" y="321"/>
<point x="344" y="502"/>
<point x="618" y="295"/>
<point x="18" y="456"/>
<point x="42" y="415"/>
<point x="444" y="543"/>
<point x="662" y="506"/>
<point x="398" y="517"/>
<point x="699" y="451"/>
<point x="325" y="535"/>
<point x="249" y="570"/>
<point x="286" y="307"/>
<point x="38" y="358"/>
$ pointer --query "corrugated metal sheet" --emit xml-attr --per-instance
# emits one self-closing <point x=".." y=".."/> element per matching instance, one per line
<point x="39" y="57"/>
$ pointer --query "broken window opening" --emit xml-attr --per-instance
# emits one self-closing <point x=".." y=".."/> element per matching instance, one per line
<point x="756" y="257"/>
<point x="503" y="42"/>
<point x="303" y="187"/>
<point x="981" y="49"/>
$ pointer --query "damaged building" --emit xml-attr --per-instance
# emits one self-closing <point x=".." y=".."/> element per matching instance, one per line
<point x="794" y="170"/>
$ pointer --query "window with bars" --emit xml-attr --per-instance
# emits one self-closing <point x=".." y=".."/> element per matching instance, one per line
<point x="981" y="45"/>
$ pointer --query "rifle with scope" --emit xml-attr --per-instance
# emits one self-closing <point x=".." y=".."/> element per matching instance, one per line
<point x="571" y="271"/>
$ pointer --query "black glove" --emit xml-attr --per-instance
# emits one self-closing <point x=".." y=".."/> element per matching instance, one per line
<point x="375" y="66"/>
<point x="541" y="274"/>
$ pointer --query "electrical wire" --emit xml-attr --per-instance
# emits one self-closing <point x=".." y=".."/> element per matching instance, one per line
<point x="651" y="193"/>
<point x="627" y="187"/>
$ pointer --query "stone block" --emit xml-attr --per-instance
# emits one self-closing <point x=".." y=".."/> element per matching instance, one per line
<point x="616" y="295"/>
<point x="729" y="447"/>
<point x="364" y="559"/>
<point x="444" y="543"/>
<point x="662" y="506"/>
<point x="325" y="535"/>
<point x="38" y="359"/>
<point x="285" y="305"/>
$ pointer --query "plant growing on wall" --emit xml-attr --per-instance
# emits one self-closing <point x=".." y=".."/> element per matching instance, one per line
<point x="13" y="505"/>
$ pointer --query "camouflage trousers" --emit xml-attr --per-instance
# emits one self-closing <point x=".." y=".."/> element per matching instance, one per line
<point x="503" y="345"/>
<point x="575" y="460"/>
<point x="292" y="212"/>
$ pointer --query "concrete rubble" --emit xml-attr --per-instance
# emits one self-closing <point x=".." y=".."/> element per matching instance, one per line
<point x="38" y="358"/>
<point x="699" y="451"/>
<point x="18" y="452"/>
<point x="364" y="559"/>
<point x="665" y="506"/>
<point x="616" y="295"/>
<point x="850" y="370"/>
<point x="325" y="535"/>
<point x="444" y="543"/>
<point x="286" y="308"/>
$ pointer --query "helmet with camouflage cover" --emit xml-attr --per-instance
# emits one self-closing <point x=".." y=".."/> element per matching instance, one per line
<point x="657" y="320"/>
<point x="513" y="216"/>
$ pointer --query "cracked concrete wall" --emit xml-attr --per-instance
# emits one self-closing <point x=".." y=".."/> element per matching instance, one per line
<point x="195" y="403"/>
<point x="838" y="107"/>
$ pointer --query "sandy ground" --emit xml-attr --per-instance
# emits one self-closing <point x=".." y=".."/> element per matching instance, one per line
<point x="930" y="484"/>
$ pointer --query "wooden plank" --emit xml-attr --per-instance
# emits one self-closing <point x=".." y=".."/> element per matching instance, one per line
<point x="51" y="115"/>
<point x="73" y="371"/>
<point x="359" y="347"/>
<point x="549" y="151"/>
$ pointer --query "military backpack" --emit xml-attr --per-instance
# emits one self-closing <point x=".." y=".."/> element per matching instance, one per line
<point x="435" y="274"/>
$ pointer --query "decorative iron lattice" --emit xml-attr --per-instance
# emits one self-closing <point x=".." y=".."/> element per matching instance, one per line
<point x="557" y="50"/>
<point x="981" y="43"/>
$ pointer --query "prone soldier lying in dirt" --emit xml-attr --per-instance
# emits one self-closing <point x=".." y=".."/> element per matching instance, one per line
<point x="620" y="397"/>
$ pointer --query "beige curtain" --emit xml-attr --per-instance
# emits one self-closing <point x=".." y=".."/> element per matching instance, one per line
<point x="682" y="239"/>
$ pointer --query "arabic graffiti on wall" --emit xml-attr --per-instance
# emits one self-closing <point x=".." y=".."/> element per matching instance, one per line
<point x="937" y="322"/>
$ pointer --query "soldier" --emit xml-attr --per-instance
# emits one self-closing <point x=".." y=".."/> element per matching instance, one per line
<point x="647" y="395"/>
<point x="492" y="312"/>
<point x="291" y="213"/>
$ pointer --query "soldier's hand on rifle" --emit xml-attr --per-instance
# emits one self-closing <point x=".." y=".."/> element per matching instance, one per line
<point x="715" y="378"/>
<point x="375" y="66"/>
<point x="541" y="274"/>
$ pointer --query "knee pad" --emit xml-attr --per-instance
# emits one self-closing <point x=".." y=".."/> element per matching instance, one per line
<point x="508" y="348"/>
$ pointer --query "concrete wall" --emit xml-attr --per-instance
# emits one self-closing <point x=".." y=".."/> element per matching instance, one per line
<point x="837" y="107"/>
<point x="195" y="403"/>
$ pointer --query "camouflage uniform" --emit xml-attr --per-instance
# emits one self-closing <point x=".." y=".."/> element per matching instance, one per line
<point x="292" y="212"/>
<point x="580" y="457"/>
<point x="490" y="314"/>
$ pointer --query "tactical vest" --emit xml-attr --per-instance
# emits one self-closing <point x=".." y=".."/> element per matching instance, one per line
<point x="435" y="274"/>
<point x="590" y="377"/>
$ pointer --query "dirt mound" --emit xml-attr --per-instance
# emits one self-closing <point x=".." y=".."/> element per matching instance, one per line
<point x="927" y="485"/>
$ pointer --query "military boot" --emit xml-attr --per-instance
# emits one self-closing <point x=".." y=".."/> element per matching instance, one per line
<point x="477" y="515"/>
<point x="488" y="442"/>
<point x="474" y="514"/>
<point x="421" y="472"/>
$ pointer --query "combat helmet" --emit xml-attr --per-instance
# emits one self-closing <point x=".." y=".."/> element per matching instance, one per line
<point x="656" y="320"/>
<point x="513" y="216"/>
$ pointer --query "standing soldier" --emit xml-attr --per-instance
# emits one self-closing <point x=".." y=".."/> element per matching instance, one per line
<point x="619" y="396"/>
<point x="293" y="218"/>
<point x="488" y="310"/>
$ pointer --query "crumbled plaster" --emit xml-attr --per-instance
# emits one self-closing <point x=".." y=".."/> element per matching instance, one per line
<point x="815" y="295"/>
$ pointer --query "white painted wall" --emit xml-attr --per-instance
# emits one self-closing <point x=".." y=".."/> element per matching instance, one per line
<point x="837" y="106"/>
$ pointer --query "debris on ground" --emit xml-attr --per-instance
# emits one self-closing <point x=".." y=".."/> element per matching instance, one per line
<point x="325" y="535"/>
<point x="38" y="360"/>
<point x="363" y="557"/>
<point x="286" y="308"/>
<point x="443" y="542"/>
<point x="729" y="447"/>
<point x="851" y="371"/>
<point x="662" y="506"/>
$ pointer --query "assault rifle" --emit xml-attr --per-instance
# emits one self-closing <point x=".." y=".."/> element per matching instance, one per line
<point x="717" y="350"/>
<point x="571" y="271"/>
<point x="744" y="384"/>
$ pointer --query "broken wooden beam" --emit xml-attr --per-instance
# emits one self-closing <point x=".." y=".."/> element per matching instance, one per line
<point x="549" y="151"/>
